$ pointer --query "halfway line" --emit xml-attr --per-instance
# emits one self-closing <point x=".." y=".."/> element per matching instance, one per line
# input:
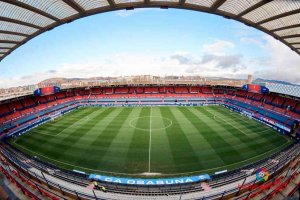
<point x="150" y="121"/>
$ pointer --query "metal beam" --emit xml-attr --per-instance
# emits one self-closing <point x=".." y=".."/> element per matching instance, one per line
<point x="181" y="2"/>
<point x="286" y="27"/>
<point x="290" y="36"/>
<point x="255" y="6"/>
<point x="293" y="43"/>
<point x="10" y="41"/>
<point x="14" y="33"/>
<point x="112" y="3"/>
<point x="75" y="6"/>
<point x="31" y="8"/>
<point x="5" y="48"/>
<point x="217" y="4"/>
<point x="112" y="7"/>
<point x="279" y="16"/>
<point x="19" y="22"/>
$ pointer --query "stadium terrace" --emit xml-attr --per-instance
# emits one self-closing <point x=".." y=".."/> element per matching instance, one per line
<point x="150" y="114"/>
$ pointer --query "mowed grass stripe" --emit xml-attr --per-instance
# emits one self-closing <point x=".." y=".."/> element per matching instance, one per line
<point x="115" y="156"/>
<point x="137" y="156"/>
<point x="253" y="146"/>
<point x="68" y="124"/>
<point x="162" y="160"/>
<point x="70" y="151"/>
<point x="237" y="120"/>
<point x="226" y="134"/>
<point x="35" y="141"/>
<point x="60" y="123"/>
<point x="49" y="128"/>
<point x="203" y="150"/>
<point x="102" y="141"/>
<point x="66" y="140"/>
<point x="182" y="151"/>
<point x="224" y="150"/>
<point x="193" y="144"/>
<point x="270" y="136"/>
<point x="83" y="144"/>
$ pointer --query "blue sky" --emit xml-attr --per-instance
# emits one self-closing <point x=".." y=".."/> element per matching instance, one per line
<point x="149" y="41"/>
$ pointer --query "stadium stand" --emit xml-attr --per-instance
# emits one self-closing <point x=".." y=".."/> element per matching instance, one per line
<point x="280" y="109"/>
<point x="41" y="179"/>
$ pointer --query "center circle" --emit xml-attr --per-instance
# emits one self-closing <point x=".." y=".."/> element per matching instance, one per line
<point x="152" y="123"/>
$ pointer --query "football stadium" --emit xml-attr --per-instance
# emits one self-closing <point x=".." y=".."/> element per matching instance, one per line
<point x="150" y="137"/>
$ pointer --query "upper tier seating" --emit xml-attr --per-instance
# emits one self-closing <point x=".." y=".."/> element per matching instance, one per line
<point x="241" y="93"/>
<point x="151" y="90"/>
<point x="4" y="110"/>
<point x="257" y="97"/>
<point x="206" y="90"/>
<point x="270" y="105"/>
<point x="169" y="89"/>
<point x="15" y="106"/>
<point x="195" y="90"/>
<point x="278" y="101"/>
<point x="181" y="90"/>
<point x="290" y="103"/>
<point x="121" y="90"/>
<point x="29" y="102"/>
<point x="96" y="91"/>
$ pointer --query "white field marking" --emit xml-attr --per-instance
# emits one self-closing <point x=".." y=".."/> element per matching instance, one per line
<point x="76" y="124"/>
<point x="118" y="173"/>
<point x="228" y="123"/>
<point x="225" y="121"/>
<point x="151" y="174"/>
<point x="259" y="132"/>
<point x="101" y="118"/>
<point x="150" y="121"/>
<point x="245" y="119"/>
<point x="153" y="129"/>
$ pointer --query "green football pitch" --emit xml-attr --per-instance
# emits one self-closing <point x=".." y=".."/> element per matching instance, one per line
<point x="139" y="141"/>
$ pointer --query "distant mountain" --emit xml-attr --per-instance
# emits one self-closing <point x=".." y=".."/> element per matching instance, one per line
<point x="54" y="80"/>
<point x="273" y="81"/>
<point x="60" y="80"/>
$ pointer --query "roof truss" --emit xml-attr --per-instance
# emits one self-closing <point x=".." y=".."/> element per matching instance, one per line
<point x="46" y="17"/>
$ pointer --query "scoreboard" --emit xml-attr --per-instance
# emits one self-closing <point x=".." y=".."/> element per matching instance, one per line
<point x="255" y="88"/>
<point x="46" y="91"/>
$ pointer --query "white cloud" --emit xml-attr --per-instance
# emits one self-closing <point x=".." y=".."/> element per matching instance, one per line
<point x="255" y="41"/>
<point x="216" y="60"/>
<point x="124" y="65"/>
<point x="128" y="13"/>
<point x="113" y="65"/>
<point x="281" y="64"/>
<point x="218" y="47"/>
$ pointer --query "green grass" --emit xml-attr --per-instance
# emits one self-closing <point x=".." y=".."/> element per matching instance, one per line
<point x="172" y="141"/>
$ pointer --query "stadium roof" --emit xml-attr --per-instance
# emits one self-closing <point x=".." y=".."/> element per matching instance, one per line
<point x="22" y="20"/>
